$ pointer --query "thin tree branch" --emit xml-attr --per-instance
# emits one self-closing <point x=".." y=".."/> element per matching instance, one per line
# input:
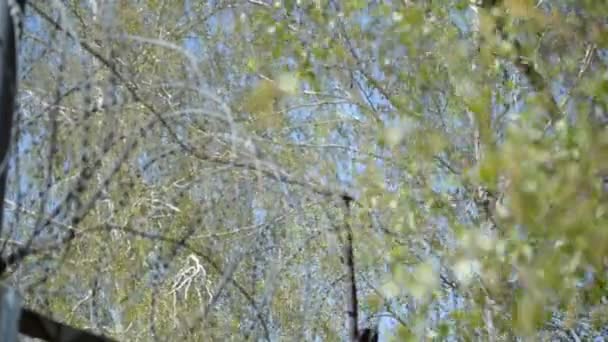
<point x="274" y="173"/>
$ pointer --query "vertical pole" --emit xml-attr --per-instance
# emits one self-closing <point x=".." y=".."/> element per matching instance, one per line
<point x="8" y="87"/>
<point x="10" y="303"/>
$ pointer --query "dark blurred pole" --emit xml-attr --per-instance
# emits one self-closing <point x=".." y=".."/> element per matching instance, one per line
<point x="8" y="87"/>
<point x="9" y="306"/>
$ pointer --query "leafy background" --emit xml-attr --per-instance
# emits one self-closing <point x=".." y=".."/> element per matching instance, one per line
<point x="180" y="168"/>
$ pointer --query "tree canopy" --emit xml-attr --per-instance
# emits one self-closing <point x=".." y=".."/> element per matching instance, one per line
<point x="308" y="170"/>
